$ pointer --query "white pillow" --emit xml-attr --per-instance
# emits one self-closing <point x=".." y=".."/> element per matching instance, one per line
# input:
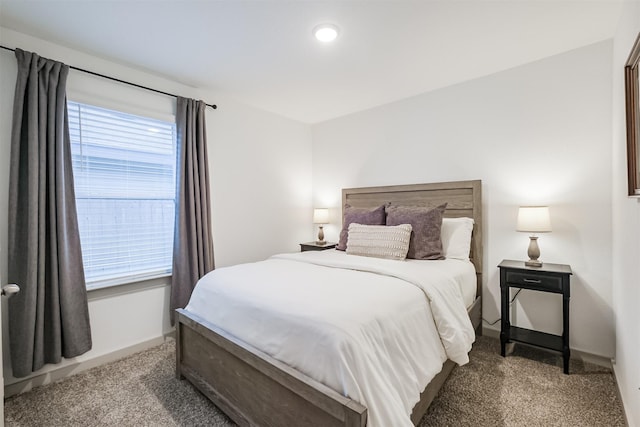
<point x="380" y="241"/>
<point x="456" y="237"/>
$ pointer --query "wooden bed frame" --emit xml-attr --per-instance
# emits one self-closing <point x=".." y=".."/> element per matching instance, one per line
<point x="254" y="389"/>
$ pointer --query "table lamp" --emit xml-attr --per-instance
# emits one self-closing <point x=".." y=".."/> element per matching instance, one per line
<point x="321" y="217"/>
<point x="533" y="219"/>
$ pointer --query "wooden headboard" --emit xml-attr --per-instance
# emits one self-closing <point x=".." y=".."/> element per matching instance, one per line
<point x="464" y="199"/>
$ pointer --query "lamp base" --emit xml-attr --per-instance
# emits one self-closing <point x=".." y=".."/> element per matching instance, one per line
<point x="320" y="240"/>
<point x="533" y="263"/>
<point x="533" y="252"/>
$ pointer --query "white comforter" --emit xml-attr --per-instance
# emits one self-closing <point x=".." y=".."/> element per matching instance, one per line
<point x="374" y="330"/>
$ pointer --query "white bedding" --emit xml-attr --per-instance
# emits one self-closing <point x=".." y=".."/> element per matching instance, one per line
<point x="362" y="326"/>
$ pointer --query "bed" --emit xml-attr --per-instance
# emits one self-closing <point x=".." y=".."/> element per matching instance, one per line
<point x="254" y="388"/>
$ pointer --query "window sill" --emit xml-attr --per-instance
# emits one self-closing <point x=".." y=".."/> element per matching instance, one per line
<point x="128" y="280"/>
<point x="128" y="288"/>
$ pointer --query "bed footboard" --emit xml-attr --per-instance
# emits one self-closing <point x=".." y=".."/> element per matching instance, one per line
<point x="251" y="387"/>
<point x="254" y="389"/>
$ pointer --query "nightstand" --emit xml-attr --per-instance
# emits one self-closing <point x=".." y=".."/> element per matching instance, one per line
<point x="554" y="278"/>
<point x="313" y="246"/>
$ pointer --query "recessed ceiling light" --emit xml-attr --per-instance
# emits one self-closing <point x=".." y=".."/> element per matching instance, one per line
<point x="325" y="32"/>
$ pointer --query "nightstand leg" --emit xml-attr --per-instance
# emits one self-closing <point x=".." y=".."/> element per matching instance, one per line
<point x="504" y="315"/>
<point x="566" y="353"/>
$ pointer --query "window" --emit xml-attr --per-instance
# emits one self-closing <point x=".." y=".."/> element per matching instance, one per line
<point x="125" y="181"/>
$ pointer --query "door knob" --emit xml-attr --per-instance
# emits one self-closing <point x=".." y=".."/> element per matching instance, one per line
<point x="8" y="290"/>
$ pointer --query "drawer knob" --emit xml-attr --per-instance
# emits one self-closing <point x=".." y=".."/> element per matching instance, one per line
<point x="532" y="280"/>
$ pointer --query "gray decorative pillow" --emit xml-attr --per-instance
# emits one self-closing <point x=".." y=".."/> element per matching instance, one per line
<point x="379" y="241"/>
<point x="366" y="216"/>
<point x="426" y="224"/>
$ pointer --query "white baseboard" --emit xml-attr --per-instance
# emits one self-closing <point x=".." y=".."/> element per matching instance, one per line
<point x="490" y="332"/>
<point x="69" y="370"/>
<point x="575" y="354"/>
<point x="627" y="416"/>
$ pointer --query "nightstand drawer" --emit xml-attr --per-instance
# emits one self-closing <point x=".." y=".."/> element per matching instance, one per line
<point x="534" y="280"/>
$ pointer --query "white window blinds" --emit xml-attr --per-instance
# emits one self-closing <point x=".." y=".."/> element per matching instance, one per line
<point x="125" y="181"/>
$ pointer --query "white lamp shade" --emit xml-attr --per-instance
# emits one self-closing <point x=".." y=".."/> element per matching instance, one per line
<point x="321" y="216"/>
<point x="534" y="219"/>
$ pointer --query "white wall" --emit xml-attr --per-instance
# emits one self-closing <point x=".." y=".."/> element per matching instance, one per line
<point x="535" y="134"/>
<point x="260" y="167"/>
<point x="626" y="231"/>
<point x="261" y="183"/>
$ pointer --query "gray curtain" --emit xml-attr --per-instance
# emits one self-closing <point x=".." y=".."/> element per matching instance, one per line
<point x="192" y="244"/>
<point x="49" y="318"/>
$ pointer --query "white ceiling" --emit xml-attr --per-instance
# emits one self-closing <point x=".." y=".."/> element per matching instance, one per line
<point x="263" y="52"/>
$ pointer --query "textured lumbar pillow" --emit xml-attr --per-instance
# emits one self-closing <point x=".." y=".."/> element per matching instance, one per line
<point x="379" y="241"/>
<point x="365" y="216"/>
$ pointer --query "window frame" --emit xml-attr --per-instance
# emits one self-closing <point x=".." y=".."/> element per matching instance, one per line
<point x="632" y="102"/>
<point x="141" y="276"/>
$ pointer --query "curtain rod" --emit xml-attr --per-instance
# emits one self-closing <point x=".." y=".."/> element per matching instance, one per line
<point x="214" y="106"/>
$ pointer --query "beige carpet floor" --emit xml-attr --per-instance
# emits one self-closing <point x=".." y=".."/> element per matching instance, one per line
<point x="527" y="388"/>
